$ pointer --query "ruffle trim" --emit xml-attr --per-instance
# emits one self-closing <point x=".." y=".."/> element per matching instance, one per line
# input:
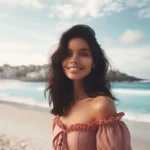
<point x="89" y="126"/>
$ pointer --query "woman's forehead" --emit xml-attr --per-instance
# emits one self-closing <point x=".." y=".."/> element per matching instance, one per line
<point x="78" y="43"/>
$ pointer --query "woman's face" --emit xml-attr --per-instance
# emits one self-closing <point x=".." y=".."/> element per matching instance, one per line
<point x="78" y="63"/>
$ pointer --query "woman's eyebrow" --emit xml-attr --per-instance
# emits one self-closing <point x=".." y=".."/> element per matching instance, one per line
<point x="84" y="49"/>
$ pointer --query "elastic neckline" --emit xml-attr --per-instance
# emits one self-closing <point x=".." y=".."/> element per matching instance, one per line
<point x="88" y="126"/>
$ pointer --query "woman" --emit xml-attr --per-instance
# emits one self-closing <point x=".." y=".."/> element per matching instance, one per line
<point x="83" y="105"/>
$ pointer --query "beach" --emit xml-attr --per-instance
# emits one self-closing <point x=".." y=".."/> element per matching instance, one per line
<point x="23" y="128"/>
<point x="26" y="125"/>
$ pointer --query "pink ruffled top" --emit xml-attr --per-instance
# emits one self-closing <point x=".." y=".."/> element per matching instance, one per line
<point x="111" y="134"/>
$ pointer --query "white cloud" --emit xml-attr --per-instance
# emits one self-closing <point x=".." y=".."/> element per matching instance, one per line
<point x="130" y="60"/>
<point x="79" y="9"/>
<point x="143" y="7"/>
<point x="144" y="13"/>
<point x="66" y="10"/>
<point x="113" y="7"/>
<point x="137" y="3"/>
<point x="131" y="37"/>
<point x="51" y="16"/>
<point x="26" y="3"/>
<point x="93" y="8"/>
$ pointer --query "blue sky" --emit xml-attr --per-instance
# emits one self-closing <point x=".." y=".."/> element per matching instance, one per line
<point x="30" y="29"/>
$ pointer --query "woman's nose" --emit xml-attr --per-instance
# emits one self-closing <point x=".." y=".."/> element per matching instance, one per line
<point x="74" y="59"/>
<point x="74" y="62"/>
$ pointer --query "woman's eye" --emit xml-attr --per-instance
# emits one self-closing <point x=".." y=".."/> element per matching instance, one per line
<point x="84" y="54"/>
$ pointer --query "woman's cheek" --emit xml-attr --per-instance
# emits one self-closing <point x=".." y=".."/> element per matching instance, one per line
<point x="88" y="61"/>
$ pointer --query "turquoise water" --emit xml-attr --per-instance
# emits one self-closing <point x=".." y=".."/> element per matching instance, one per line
<point x="134" y="98"/>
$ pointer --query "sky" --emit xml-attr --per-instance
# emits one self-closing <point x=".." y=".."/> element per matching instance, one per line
<point x="30" y="30"/>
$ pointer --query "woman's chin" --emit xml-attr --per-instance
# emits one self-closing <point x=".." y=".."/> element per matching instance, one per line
<point x="75" y="77"/>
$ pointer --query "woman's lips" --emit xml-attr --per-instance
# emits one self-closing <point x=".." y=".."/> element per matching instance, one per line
<point x="74" y="69"/>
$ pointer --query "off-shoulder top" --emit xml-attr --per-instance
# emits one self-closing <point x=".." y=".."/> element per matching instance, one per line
<point x="110" y="134"/>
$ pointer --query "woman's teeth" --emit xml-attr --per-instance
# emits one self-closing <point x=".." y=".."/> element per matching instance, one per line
<point x="74" y="68"/>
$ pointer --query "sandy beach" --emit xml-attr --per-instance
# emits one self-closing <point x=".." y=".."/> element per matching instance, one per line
<point x="23" y="128"/>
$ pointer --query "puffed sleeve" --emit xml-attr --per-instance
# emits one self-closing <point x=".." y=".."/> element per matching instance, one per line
<point x="113" y="134"/>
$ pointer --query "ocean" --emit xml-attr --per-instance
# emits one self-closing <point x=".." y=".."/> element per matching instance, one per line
<point x="134" y="98"/>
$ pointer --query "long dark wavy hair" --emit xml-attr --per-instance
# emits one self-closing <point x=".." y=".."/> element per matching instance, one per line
<point x="60" y="87"/>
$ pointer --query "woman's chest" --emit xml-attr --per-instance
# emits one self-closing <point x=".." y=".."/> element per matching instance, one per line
<point x="80" y="113"/>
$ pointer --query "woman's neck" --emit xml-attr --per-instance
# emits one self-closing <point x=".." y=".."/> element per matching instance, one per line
<point x="78" y="90"/>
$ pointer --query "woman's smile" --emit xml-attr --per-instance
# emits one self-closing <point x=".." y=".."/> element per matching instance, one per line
<point x="74" y="69"/>
<point x="79" y="61"/>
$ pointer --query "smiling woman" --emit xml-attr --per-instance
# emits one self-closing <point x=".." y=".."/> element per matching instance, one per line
<point x="78" y="62"/>
<point x="83" y="104"/>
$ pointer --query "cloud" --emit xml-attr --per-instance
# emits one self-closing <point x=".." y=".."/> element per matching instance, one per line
<point x="50" y="15"/>
<point x="66" y="10"/>
<point x="137" y="3"/>
<point x="131" y="37"/>
<point x="26" y="3"/>
<point x="93" y="8"/>
<point x="144" y="13"/>
<point x="130" y="60"/>
<point x="79" y="9"/>
<point x="142" y="7"/>
<point x="113" y="7"/>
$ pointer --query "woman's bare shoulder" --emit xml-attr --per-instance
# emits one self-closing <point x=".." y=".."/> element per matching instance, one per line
<point x="103" y="108"/>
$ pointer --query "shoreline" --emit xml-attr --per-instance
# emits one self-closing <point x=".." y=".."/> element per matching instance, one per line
<point x="45" y="80"/>
<point x="8" y="80"/>
<point x="34" y="126"/>
<point x="25" y="106"/>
